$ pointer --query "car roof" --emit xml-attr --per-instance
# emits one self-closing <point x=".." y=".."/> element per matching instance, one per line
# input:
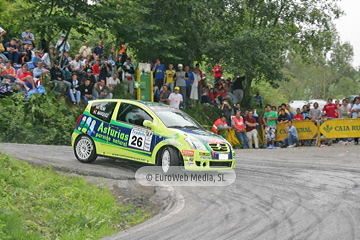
<point x="145" y="103"/>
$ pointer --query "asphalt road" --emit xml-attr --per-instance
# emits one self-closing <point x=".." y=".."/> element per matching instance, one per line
<point x="299" y="193"/>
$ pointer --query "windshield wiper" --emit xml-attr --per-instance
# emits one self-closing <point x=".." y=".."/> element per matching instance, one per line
<point x="188" y="127"/>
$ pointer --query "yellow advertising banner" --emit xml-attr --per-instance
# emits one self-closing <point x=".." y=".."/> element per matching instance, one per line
<point x="341" y="128"/>
<point x="306" y="130"/>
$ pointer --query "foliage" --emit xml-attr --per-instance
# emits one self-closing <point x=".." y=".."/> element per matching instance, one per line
<point x="203" y="114"/>
<point x="43" y="119"/>
<point x="37" y="203"/>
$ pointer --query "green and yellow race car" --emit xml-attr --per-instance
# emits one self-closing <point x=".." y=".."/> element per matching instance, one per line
<point x="148" y="132"/>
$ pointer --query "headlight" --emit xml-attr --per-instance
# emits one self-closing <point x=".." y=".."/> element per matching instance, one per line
<point x="195" y="144"/>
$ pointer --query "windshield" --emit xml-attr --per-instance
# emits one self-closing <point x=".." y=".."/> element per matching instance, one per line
<point x="175" y="118"/>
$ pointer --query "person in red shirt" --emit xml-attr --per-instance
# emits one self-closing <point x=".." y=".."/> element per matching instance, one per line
<point x="95" y="69"/>
<point x="217" y="72"/>
<point x="330" y="109"/>
<point x="298" y="116"/>
<point x="251" y="131"/>
<point x="27" y="78"/>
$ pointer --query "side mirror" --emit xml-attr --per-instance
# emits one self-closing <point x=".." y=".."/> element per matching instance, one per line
<point x="148" y="124"/>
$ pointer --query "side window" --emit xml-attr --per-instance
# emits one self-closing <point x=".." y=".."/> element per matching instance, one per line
<point x="103" y="110"/>
<point x="132" y="114"/>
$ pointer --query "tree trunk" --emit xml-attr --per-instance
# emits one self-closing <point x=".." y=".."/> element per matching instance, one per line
<point x="247" y="96"/>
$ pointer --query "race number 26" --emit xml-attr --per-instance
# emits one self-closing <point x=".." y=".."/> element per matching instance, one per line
<point x="140" y="138"/>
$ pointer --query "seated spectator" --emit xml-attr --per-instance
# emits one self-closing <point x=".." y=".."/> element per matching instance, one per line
<point x="96" y="69"/>
<point x="40" y="71"/>
<point x="283" y="117"/>
<point x="78" y="67"/>
<point x="57" y="76"/>
<point x="74" y="93"/>
<point x="87" y="65"/>
<point x="164" y="94"/>
<point x="61" y="44"/>
<point x="7" y="72"/>
<point x="101" y="91"/>
<point x="2" y="50"/>
<point x="64" y="65"/>
<point x="27" y="78"/>
<point x="12" y="49"/>
<point x="37" y="58"/>
<point x="293" y="138"/>
<point x="86" y="90"/>
<point x="90" y="76"/>
<point x="298" y="116"/>
<point x="205" y="98"/>
<point x="113" y="81"/>
<point x="28" y="37"/>
<point x="220" y="124"/>
<point x="49" y="58"/>
<point x="211" y="95"/>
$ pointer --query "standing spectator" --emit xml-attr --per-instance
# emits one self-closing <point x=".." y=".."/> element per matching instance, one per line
<point x="159" y="73"/>
<point x="73" y="92"/>
<point x="180" y="80"/>
<point x="86" y="90"/>
<point x="90" y="76"/>
<point x="57" y="77"/>
<point x="164" y="95"/>
<point x="306" y="112"/>
<point x="128" y="75"/>
<point x="200" y="83"/>
<point x="105" y="69"/>
<point x="251" y="131"/>
<point x="2" y="50"/>
<point x="113" y="81"/>
<point x="344" y="111"/>
<point x="194" y="87"/>
<point x="101" y="91"/>
<point x="169" y="77"/>
<point x="99" y="50"/>
<point x="292" y="134"/>
<point x="288" y="110"/>
<point x="122" y="52"/>
<point x="96" y="69"/>
<point x="85" y="50"/>
<point x="315" y="113"/>
<point x="226" y="111"/>
<point x="12" y="49"/>
<point x="298" y="116"/>
<point x="118" y="65"/>
<point x="175" y="99"/>
<point x="355" y="114"/>
<point x="189" y="79"/>
<point x="238" y="88"/>
<point x="238" y="124"/>
<point x="259" y="99"/>
<point x="217" y="72"/>
<point x="28" y="37"/>
<point x="236" y="108"/>
<point x="270" y="118"/>
<point x="330" y="109"/>
<point x="61" y="44"/>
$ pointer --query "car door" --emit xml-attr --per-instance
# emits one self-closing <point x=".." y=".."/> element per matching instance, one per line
<point x="128" y="137"/>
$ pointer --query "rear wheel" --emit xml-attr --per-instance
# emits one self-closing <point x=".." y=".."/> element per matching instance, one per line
<point x="84" y="149"/>
<point x="169" y="158"/>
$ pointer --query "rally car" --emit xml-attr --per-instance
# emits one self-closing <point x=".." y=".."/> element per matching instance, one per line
<point x="148" y="132"/>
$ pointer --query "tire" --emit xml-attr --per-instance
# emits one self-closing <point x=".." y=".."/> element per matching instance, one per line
<point x="168" y="158"/>
<point x="84" y="149"/>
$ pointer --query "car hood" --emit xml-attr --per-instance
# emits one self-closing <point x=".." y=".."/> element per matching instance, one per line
<point x="202" y="135"/>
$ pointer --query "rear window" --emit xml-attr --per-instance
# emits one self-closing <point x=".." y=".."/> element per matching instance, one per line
<point x="103" y="110"/>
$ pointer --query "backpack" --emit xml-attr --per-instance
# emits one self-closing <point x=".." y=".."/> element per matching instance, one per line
<point x="5" y="90"/>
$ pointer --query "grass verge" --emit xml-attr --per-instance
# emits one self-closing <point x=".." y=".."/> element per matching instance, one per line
<point x="38" y="203"/>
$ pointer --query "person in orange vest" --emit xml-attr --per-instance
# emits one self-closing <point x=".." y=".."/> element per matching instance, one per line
<point x="237" y="123"/>
<point x="220" y="124"/>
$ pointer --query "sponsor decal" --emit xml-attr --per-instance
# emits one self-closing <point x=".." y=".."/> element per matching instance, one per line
<point x="188" y="153"/>
<point x="216" y="141"/>
<point x="190" y="164"/>
<point x="205" y="157"/>
<point x="204" y="154"/>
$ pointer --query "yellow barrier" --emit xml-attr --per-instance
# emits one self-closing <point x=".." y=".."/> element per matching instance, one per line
<point x="306" y="130"/>
<point x="341" y="128"/>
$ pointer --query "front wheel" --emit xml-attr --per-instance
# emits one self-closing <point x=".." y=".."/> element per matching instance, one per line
<point x="169" y="158"/>
<point x="84" y="149"/>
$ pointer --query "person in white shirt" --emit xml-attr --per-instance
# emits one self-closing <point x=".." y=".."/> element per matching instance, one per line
<point x="78" y="67"/>
<point x="85" y="50"/>
<point x="175" y="98"/>
<point x="113" y="81"/>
